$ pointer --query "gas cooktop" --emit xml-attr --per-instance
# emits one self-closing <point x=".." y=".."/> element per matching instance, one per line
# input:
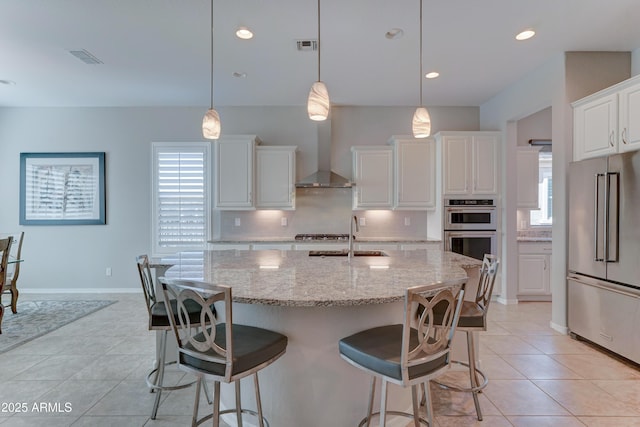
<point x="338" y="237"/>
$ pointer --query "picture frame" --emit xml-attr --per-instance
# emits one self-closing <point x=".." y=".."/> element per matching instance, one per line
<point x="62" y="188"/>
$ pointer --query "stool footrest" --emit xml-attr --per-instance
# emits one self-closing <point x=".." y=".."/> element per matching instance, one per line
<point x="153" y="386"/>
<point x="452" y="387"/>
<point x="232" y="411"/>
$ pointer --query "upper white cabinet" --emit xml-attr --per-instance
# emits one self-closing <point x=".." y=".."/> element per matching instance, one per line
<point x="470" y="163"/>
<point x="528" y="168"/>
<point x="415" y="172"/>
<point x="275" y="177"/>
<point x="234" y="171"/>
<point x="373" y="175"/>
<point x="606" y="122"/>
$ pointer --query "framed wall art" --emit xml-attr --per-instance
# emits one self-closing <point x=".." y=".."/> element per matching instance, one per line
<point x="62" y="188"/>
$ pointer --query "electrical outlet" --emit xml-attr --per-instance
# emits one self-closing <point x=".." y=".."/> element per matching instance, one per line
<point x="407" y="221"/>
<point x="283" y="221"/>
<point x="362" y="221"/>
<point x="108" y="272"/>
<point x="237" y="222"/>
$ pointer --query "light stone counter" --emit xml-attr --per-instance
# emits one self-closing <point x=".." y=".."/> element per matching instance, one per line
<point x="295" y="279"/>
<point x="316" y="302"/>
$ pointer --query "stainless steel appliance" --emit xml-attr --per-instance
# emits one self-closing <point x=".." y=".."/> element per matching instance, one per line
<point x="470" y="227"/>
<point x="604" y="252"/>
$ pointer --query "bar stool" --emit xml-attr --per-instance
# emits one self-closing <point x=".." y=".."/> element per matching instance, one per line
<point x="224" y="351"/>
<point x="473" y="318"/>
<point x="410" y="353"/>
<point x="159" y="321"/>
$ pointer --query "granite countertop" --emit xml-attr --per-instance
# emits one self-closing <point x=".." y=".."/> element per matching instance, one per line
<point x="295" y="279"/>
<point x="533" y="235"/>
<point x="293" y="241"/>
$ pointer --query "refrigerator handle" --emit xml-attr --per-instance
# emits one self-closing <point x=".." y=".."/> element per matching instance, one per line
<point x="596" y="212"/>
<point x="611" y="203"/>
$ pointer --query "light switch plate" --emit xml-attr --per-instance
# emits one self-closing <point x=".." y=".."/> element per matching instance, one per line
<point x="362" y="221"/>
<point x="237" y="222"/>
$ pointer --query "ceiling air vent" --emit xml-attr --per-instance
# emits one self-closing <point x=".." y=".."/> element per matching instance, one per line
<point x="307" y="45"/>
<point x="85" y="56"/>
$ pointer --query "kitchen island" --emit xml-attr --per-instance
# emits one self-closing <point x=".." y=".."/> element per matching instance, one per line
<point x="316" y="301"/>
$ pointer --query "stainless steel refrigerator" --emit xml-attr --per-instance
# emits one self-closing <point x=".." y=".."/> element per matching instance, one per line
<point x="604" y="252"/>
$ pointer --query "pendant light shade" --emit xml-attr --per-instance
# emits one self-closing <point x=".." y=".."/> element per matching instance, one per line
<point x="211" y="120"/>
<point x="318" y="102"/>
<point x="421" y="123"/>
<point x="211" y="124"/>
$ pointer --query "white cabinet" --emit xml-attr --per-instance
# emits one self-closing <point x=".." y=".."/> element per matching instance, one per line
<point x="234" y="172"/>
<point x="275" y="177"/>
<point x="415" y="173"/>
<point x="606" y="122"/>
<point x="534" y="271"/>
<point x="373" y="175"/>
<point x="527" y="162"/>
<point x="265" y="246"/>
<point x="470" y="163"/>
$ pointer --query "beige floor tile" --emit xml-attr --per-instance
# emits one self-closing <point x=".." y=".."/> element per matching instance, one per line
<point x="471" y="421"/>
<point x="39" y="421"/>
<point x="610" y="421"/>
<point x="627" y="391"/>
<point x="509" y="344"/>
<point x="558" y="344"/>
<point x="521" y="397"/>
<point x="526" y="327"/>
<point x="495" y="367"/>
<point x="582" y="397"/>
<point x="454" y="403"/>
<point x="539" y="366"/>
<point x="116" y="421"/>
<point x="597" y="366"/>
<point x="79" y="395"/>
<point x="545" y="421"/>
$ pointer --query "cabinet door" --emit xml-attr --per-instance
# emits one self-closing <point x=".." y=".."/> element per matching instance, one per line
<point x="373" y="172"/>
<point x="456" y="164"/>
<point x="234" y="173"/>
<point x="595" y="126"/>
<point x="629" y="113"/>
<point x="484" y="154"/>
<point x="533" y="274"/>
<point x="275" y="177"/>
<point x="527" y="160"/>
<point x="415" y="183"/>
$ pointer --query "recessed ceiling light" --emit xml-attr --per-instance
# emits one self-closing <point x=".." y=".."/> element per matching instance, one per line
<point x="525" y="35"/>
<point x="432" y="75"/>
<point x="239" y="75"/>
<point x="244" y="33"/>
<point x="7" y="82"/>
<point x="394" y="33"/>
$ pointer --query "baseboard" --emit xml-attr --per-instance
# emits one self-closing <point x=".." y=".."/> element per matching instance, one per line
<point x="505" y="301"/>
<point x="562" y="329"/>
<point x="81" y="291"/>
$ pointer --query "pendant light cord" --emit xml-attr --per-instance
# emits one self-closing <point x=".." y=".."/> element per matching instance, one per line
<point x="420" y="44"/>
<point x="211" y="104"/>
<point x="319" y="40"/>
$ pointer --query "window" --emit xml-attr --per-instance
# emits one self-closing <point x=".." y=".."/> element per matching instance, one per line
<point x="180" y="197"/>
<point x="544" y="215"/>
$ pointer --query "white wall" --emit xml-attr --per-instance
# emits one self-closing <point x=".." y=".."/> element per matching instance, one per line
<point x="75" y="257"/>
<point x="557" y="83"/>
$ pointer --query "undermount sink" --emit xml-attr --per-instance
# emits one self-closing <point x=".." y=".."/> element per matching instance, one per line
<point x="345" y="253"/>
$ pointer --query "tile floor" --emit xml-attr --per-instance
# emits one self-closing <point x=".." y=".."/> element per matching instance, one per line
<point x="98" y="363"/>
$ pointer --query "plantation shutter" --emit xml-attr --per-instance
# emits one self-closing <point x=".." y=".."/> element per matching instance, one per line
<point x="180" y="198"/>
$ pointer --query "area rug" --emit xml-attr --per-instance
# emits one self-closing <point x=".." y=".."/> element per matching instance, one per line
<point x="37" y="318"/>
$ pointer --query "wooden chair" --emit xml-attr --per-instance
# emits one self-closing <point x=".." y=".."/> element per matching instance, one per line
<point x="410" y="353"/>
<point x="5" y="248"/>
<point x="223" y="351"/>
<point x="13" y="271"/>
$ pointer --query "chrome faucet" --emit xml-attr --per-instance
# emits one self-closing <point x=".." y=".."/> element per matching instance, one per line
<point x="351" y="236"/>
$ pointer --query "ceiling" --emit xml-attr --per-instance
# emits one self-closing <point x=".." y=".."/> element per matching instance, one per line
<point x="157" y="52"/>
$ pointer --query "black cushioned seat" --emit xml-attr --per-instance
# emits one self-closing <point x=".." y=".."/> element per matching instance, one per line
<point x="160" y="317"/>
<point x="251" y="347"/>
<point x="378" y="349"/>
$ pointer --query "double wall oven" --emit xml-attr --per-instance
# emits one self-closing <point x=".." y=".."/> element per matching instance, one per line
<point x="470" y="227"/>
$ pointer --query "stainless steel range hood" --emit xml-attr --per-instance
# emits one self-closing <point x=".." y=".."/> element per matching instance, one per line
<point x="324" y="177"/>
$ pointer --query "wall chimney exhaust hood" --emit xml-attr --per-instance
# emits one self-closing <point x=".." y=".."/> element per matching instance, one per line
<point x="324" y="177"/>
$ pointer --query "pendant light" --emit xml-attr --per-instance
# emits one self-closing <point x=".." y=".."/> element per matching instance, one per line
<point x="421" y="123"/>
<point x="211" y="120"/>
<point x="318" y="102"/>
